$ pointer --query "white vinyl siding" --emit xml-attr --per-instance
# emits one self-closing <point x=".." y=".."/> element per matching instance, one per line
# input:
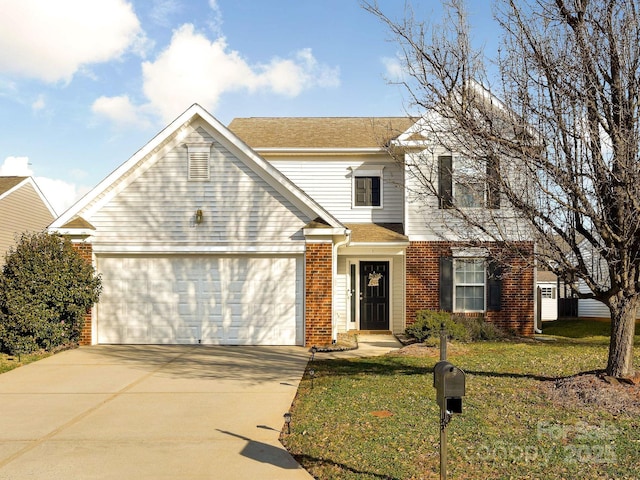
<point x="160" y="206"/>
<point x="425" y="221"/>
<point x="330" y="183"/>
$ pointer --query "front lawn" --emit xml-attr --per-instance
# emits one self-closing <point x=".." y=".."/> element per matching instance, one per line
<point x="527" y="414"/>
<point x="9" y="362"/>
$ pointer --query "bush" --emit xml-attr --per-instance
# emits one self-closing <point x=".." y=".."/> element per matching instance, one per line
<point x="46" y="288"/>
<point x="479" y="329"/>
<point x="428" y="324"/>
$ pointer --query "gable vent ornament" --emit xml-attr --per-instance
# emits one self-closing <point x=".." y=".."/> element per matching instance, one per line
<point x="374" y="279"/>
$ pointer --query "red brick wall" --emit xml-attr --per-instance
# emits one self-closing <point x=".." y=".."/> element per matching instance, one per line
<point x="318" y="293"/>
<point x="423" y="279"/>
<point x="86" y="251"/>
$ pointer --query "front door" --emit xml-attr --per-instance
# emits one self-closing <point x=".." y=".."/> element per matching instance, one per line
<point x="374" y="295"/>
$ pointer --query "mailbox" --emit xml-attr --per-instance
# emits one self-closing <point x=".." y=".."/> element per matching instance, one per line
<point x="449" y="382"/>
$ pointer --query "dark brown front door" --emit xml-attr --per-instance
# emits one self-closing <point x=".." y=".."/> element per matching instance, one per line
<point x="374" y="295"/>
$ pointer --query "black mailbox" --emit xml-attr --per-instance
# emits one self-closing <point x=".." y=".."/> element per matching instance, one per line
<point x="449" y="382"/>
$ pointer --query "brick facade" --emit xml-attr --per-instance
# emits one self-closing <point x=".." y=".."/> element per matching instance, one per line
<point x="86" y="252"/>
<point x="318" y="293"/>
<point x="423" y="280"/>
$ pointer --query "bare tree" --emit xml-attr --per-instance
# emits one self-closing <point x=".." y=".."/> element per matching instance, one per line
<point x="564" y="132"/>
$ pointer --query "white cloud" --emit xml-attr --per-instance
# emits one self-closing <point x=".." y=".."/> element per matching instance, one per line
<point x="163" y="10"/>
<point x="215" y="24"/>
<point x="194" y="69"/>
<point x="16" y="167"/>
<point x="39" y="104"/>
<point x="51" y="40"/>
<point x="120" y="111"/>
<point x="393" y="68"/>
<point x="59" y="193"/>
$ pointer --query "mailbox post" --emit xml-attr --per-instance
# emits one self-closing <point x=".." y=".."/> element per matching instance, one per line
<point x="449" y="382"/>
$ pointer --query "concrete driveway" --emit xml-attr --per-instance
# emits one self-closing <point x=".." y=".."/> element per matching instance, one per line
<point x="150" y="412"/>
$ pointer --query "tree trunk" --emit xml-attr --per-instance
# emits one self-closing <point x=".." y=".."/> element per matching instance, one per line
<point x="623" y="326"/>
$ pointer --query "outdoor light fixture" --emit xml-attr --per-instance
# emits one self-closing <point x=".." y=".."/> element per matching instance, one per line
<point x="198" y="216"/>
<point x="313" y="352"/>
<point x="312" y="374"/>
<point x="287" y="420"/>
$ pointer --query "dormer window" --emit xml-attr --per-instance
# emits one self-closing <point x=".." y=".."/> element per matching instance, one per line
<point x="198" y="161"/>
<point x="367" y="186"/>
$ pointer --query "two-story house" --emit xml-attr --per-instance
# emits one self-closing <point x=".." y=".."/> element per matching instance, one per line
<point x="279" y="231"/>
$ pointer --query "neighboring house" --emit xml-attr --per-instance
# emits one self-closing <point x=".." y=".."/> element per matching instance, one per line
<point x="589" y="307"/>
<point x="275" y="231"/>
<point x="23" y="208"/>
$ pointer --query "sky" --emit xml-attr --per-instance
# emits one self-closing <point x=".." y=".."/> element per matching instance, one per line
<point x="86" y="84"/>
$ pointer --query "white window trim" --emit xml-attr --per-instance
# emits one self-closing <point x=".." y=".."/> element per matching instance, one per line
<point x="484" y="285"/>
<point x="367" y="171"/>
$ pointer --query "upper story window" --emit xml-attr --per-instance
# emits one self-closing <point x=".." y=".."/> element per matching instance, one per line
<point x="367" y="187"/>
<point x="367" y="192"/>
<point x="468" y="183"/>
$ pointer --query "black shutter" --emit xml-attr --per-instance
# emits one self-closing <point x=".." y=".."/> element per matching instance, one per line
<point x="445" y="185"/>
<point x="494" y="287"/>
<point x="493" y="183"/>
<point x="446" y="284"/>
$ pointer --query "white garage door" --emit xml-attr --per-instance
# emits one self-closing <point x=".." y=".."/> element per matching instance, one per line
<point x="201" y="299"/>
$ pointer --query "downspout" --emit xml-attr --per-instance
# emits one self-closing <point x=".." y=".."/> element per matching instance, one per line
<point x="334" y="274"/>
<point x="537" y="315"/>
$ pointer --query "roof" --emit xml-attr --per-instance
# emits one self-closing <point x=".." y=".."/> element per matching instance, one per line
<point x="546" y="276"/>
<point x="319" y="132"/>
<point x="376" y="233"/>
<point x="7" y="183"/>
<point x="78" y="222"/>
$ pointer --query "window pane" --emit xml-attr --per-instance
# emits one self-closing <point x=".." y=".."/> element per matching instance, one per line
<point x="469" y="195"/>
<point x="469" y="298"/>
<point x="469" y="277"/>
<point x="367" y="191"/>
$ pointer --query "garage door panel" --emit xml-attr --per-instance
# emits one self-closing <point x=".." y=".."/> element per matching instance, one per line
<point x="135" y="334"/>
<point x="207" y="299"/>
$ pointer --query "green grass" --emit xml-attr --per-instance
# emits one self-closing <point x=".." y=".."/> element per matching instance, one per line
<point x="511" y="427"/>
<point x="9" y="362"/>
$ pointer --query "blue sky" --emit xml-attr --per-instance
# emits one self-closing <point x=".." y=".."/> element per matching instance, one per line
<point x="85" y="84"/>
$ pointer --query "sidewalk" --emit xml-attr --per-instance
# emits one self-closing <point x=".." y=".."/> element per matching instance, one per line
<point x="369" y="345"/>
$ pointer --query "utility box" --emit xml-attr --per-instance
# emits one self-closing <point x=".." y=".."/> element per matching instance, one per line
<point x="449" y="382"/>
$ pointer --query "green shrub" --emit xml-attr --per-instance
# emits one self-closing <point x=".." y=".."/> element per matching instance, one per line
<point x="479" y="329"/>
<point x="428" y="324"/>
<point x="46" y="288"/>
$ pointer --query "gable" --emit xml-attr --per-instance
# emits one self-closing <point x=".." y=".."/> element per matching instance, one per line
<point x="22" y="209"/>
<point x="150" y="196"/>
<point x="161" y="204"/>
